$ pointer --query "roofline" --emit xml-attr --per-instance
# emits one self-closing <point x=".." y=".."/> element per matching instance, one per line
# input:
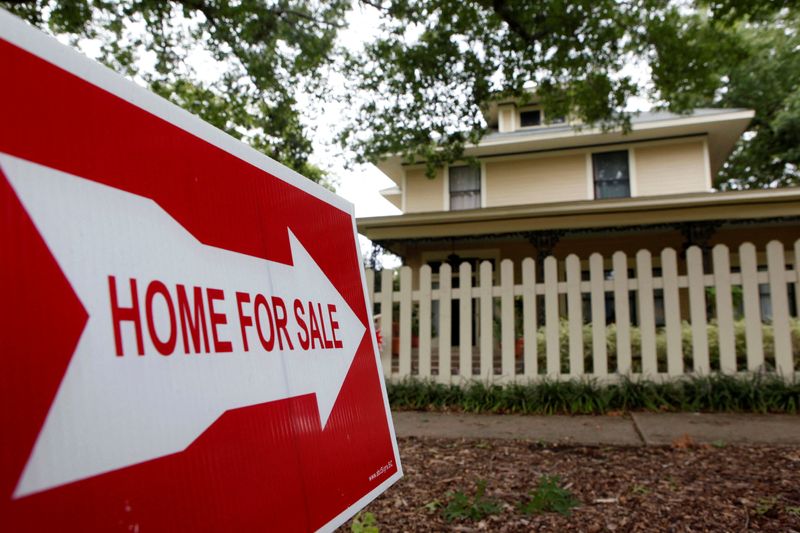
<point x="391" y="165"/>
<point x="688" y="120"/>
<point x="588" y="213"/>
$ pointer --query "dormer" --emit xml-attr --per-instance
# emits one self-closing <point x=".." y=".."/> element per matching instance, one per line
<point x="510" y="115"/>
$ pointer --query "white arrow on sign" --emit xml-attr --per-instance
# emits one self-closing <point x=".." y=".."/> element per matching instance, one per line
<point x="110" y="411"/>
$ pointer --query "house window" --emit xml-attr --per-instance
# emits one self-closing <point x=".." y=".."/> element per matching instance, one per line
<point x="530" y="118"/>
<point x="465" y="187"/>
<point x="611" y="176"/>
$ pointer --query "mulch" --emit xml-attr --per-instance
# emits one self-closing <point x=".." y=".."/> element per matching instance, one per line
<point x="683" y="487"/>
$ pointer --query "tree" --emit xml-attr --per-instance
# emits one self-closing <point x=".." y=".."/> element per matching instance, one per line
<point x="417" y="89"/>
<point x="767" y="79"/>
<point x="264" y="54"/>
<point x="438" y="61"/>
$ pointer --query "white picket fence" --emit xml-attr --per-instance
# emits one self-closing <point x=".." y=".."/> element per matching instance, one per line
<point x="679" y="292"/>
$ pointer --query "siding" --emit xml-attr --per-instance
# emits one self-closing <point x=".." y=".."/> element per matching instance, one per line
<point x="536" y="180"/>
<point x="423" y="194"/>
<point x="670" y="169"/>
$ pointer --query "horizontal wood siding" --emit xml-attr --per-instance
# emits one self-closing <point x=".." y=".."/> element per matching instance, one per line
<point x="422" y="193"/>
<point x="670" y="169"/>
<point x="536" y="180"/>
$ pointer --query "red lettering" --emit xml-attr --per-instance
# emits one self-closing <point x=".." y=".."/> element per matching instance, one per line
<point x="120" y="314"/>
<point x="164" y="347"/>
<point x="328" y="344"/>
<point x="280" y="322"/>
<point x="195" y="322"/>
<point x="302" y="335"/>
<point x="269" y="343"/>
<point x="217" y="319"/>
<point x="244" y="321"/>
<point x="334" y="326"/>
<point x="314" y="326"/>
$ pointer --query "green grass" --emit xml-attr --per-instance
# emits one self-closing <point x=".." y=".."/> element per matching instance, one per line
<point x="758" y="393"/>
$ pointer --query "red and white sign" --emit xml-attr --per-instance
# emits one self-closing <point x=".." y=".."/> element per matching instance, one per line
<point x="186" y="339"/>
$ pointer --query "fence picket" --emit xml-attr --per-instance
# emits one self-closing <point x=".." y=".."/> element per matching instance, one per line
<point x="487" y="321"/>
<point x="752" y="310"/>
<point x="797" y="277"/>
<point x="445" y="316"/>
<point x="697" y="310"/>
<point x="485" y="356"/>
<point x="724" y="306"/>
<point x="776" y="266"/>
<point x="425" y="321"/>
<point x="598" y="297"/>
<point x="465" y="320"/>
<point x="574" y="315"/>
<point x="508" y="368"/>
<point x="551" y="324"/>
<point x="404" y="366"/>
<point x="622" y="313"/>
<point x="529" y="317"/>
<point x="647" y="321"/>
<point x="387" y="277"/>
<point x="369" y="274"/>
<point x="672" y="312"/>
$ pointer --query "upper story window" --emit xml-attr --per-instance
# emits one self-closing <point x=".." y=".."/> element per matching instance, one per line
<point x="611" y="175"/>
<point x="532" y="117"/>
<point x="465" y="187"/>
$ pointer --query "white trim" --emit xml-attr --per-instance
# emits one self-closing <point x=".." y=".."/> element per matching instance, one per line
<point x="589" y="177"/>
<point x="446" y="188"/>
<point x="483" y="184"/>
<point x="404" y="192"/>
<point x="707" y="164"/>
<point x="22" y="35"/>
<point x="716" y="118"/>
<point x="632" y="177"/>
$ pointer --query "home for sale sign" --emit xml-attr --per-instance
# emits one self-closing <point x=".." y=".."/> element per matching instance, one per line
<point x="186" y="340"/>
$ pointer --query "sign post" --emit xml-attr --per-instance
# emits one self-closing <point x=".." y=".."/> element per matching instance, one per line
<point x="186" y="337"/>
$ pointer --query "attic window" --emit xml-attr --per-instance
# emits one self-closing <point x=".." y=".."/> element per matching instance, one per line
<point x="530" y="118"/>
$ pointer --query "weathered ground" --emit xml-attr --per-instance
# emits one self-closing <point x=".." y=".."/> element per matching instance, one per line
<point x="683" y="487"/>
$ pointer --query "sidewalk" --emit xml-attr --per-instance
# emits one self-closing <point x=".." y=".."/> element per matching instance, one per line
<point x="633" y="429"/>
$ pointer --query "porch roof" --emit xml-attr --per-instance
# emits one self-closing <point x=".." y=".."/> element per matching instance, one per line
<point x="585" y="214"/>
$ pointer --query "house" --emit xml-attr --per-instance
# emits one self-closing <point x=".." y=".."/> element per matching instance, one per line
<point x="572" y="198"/>
<point x="544" y="187"/>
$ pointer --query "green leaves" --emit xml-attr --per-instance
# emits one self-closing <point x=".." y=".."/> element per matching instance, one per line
<point x="462" y="507"/>
<point x="550" y="497"/>
<point x="260" y="55"/>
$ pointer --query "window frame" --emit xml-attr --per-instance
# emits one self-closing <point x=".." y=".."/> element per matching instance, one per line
<point x="595" y="167"/>
<point x="481" y="190"/>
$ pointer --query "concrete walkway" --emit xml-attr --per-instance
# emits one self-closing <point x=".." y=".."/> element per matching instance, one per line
<point x="634" y="429"/>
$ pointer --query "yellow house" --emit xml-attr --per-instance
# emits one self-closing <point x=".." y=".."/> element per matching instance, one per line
<point x="544" y="187"/>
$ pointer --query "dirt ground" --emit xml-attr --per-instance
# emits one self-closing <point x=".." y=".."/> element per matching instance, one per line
<point x="683" y="487"/>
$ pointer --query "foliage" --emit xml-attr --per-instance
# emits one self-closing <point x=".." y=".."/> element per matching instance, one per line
<point x="439" y="62"/>
<point x="364" y="522"/>
<point x="757" y="393"/>
<point x="712" y="334"/>
<point x="765" y="78"/>
<point x="418" y="87"/>
<point x="462" y="507"/>
<point x="262" y="54"/>
<point x="549" y="497"/>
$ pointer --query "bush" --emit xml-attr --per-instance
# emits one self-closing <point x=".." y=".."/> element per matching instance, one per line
<point x="757" y="393"/>
<point x="712" y="332"/>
